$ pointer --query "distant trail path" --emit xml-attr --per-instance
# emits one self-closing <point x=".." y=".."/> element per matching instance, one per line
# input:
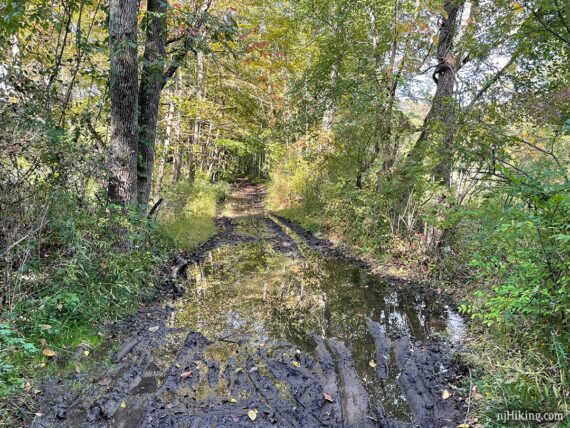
<point x="271" y="327"/>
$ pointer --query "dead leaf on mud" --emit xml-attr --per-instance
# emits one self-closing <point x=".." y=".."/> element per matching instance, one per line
<point x="105" y="381"/>
<point x="233" y="400"/>
<point x="123" y="405"/>
<point x="296" y="363"/>
<point x="372" y="364"/>
<point x="48" y="353"/>
<point x="186" y="375"/>
<point x="153" y="329"/>
<point x="252" y="414"/>
<point x="328" y="397"/>
<point x="445" y="394"/>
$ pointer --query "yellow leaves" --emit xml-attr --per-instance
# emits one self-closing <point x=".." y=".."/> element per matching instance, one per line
<point x="252" y="414"/>
<point x="445" y="394"/>
<point x="123" y="405"/>
<point x="435" y="39"/>
<point x="372" y="364"/>
<point x="86" y="353"/>
<point x="296" y="363"/>
<point x="233" y="400"/>
<point x="445" y="14"/>
<point x="48" y="353"/>
<point x="463" y="426"/>
<point x="517" y="7"/>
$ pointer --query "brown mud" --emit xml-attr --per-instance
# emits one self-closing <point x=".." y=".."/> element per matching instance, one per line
<point x="270" y="326"/>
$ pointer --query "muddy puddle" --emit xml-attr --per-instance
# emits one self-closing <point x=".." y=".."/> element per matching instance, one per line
<point x="271" y="331"/>
<point x="254" y="295"/>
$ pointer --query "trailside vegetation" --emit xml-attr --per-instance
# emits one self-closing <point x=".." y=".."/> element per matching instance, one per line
<point x="430" y="135"/>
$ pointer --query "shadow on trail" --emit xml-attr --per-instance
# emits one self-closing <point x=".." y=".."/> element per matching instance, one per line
<point x="272" y="327"/>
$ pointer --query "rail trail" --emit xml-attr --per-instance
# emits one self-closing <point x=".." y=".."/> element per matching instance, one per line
<point x="270" y="326"/>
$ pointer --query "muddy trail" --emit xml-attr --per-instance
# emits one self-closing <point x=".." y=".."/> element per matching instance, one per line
<point x="270" y="326"/>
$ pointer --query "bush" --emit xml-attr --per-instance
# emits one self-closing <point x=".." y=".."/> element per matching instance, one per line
<point x="89" y="265"/>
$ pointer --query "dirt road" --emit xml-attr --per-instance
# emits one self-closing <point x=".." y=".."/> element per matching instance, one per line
<point x="270" y="327"/>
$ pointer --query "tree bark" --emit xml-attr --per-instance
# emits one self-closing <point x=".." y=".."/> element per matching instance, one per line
<point x="122" y="187"/>
<point x="166" y="148"/>
<point x="152" y="82"/>
<point x="177" y="161"/>
<point x="439" y="123"/>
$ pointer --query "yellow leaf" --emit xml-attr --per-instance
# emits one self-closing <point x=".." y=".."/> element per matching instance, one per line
<point x="252" y="414"/>
<point x="233" y="400"/>
<point x="463" y="426"/>
<point x="123" y="405"/>
<point x="296" y="363"/>
<point x="372" y="364"/>
<point x="86" y="353"/>
<point x="48" y="353"/>
<point x="435" y="39"/>
<point x="445" y="14"/>
<point x="445" y="394"/>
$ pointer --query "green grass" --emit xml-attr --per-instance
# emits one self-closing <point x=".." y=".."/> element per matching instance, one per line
<point x="188" y="219"/>
<point x="302" y="216"/>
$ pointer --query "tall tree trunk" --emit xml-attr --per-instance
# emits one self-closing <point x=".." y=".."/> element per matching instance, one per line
<point x="177" y="161"/>
<point x="439" y="123"/>
<point x="122" y="188"/>
<point x="152" y="82"/>
<point x="166" y="148"/>
<point x="199" y="98"/>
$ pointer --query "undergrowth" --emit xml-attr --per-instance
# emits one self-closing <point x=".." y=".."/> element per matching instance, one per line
<point x="188" y="218"/>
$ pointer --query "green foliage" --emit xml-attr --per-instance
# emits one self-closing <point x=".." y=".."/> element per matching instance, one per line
<point x="90" y="266"/>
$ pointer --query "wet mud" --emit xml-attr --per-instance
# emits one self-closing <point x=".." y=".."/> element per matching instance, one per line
<point x="267" y="325"/>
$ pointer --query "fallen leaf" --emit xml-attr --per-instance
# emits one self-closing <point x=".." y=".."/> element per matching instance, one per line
<point x="445" y="394"/>
<point x="463" y="426"/>
<point x="105" y="381"/>
<point x="38" y="414"/>
<point x="296" y="363"/>
<point x="328" y="397"/>
<point x="153" y="329"/>
<point x="372" y="364"/>
<point x="48" y="353"/>
<point x="177" y="365"/>
<point x="123" y="405"/>
<point x="86" y="353"/>
<point x="252" y="414"/>
<point x="233" y="400"/>
<point x="77" y="368"/>
<point x="186" y="375"/>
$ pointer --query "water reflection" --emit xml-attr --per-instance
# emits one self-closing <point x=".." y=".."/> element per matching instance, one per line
<point x="253" y="293"/>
